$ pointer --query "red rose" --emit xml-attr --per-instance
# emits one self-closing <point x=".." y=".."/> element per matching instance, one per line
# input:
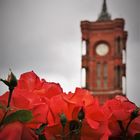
<point x="119" y="111"/>
<point x="32" y="94"/>
<point x="77" y="115"/>
<point x="134" y="126"/>
<point x="94" y="124"/>
<point x="31" y="87"/>
<point x="82" y="97"/>
<point x="57" y="107"/>
<point x="16" y="131"/>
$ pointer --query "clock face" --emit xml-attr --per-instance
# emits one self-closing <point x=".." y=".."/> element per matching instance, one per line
<point x="102" y="49"/>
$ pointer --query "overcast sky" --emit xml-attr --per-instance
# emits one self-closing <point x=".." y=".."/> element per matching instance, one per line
<point x="44" y="36"/>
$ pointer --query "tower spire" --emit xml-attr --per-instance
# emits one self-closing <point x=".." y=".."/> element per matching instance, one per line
<point x="104" y="15"/>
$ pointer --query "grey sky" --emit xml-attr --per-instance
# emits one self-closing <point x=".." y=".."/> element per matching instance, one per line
<point x="44" y="36"/>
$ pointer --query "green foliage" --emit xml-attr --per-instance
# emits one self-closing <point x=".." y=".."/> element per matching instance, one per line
<point x="135" y="113"/>
<point x="137" y="136"/>
<point x="63" y="119"/>
<point x="42" y="137"/>
<point x="39" y="132"/>
<point x="40" y="129"/>
<point x="20" y="115"/>
<point x="5" y="82"/>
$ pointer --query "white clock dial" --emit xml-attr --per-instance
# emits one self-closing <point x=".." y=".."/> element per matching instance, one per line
<point x="102" y="49"/>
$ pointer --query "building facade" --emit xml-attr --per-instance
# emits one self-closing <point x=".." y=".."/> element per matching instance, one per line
<point x="104" y="60"/>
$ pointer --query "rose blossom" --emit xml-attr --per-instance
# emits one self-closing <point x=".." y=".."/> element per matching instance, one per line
<point x="32" y="94"/>
<point x="94" y="124"/>
<point x="119" y="110"/>
<point x="75" y="115"/>
<point x="16" y="131"/>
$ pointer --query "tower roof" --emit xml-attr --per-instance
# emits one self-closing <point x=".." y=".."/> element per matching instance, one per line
<point x="104" y="15"/>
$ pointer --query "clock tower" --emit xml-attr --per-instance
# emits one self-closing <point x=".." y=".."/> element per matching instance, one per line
<point x="104" y="55"/>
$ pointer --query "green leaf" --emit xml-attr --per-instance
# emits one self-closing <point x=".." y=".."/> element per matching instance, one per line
<point x="40" y="129"/>
<point x="42" y="137"/>
<point x="137" y="136"/>
<point x="20" y="115"/>
<point x="5" y="82"/>
<point x="135" y="113"/>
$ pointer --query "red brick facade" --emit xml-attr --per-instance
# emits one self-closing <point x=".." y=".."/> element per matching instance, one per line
<point x="104" y="72"/>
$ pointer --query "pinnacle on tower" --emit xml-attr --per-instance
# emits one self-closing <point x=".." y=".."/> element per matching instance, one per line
<point x="104" y="15"/>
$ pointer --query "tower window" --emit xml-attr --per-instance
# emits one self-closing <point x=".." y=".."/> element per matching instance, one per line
<point x="98" y="74"/>
<point x="118" y="46"/>
<point x="85" y="47"/>
<point x="118" y="78"/>
<point x="124" y="56"/>
<point x="105" y="76"/>
<point x="86" y="77"/>
<point x="83" y="77"/>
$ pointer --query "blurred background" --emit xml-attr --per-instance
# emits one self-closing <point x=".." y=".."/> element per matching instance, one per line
<point x="44" y="36"/>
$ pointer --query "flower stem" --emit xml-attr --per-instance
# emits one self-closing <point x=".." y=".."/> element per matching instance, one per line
<point x="9" y="97"/>
<point x="2" y="121"/>
<point x="8" y="105"/>
<point x="63" y="133"/>
<point x="126" y="130"/>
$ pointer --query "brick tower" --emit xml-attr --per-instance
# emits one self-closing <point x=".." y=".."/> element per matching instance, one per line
<point x="104" y="41"/>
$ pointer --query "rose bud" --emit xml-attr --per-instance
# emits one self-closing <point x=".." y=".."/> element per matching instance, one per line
<point x="81" y="114"/>
<point x="11" y="81"/>
<point x="63" y="119"/>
